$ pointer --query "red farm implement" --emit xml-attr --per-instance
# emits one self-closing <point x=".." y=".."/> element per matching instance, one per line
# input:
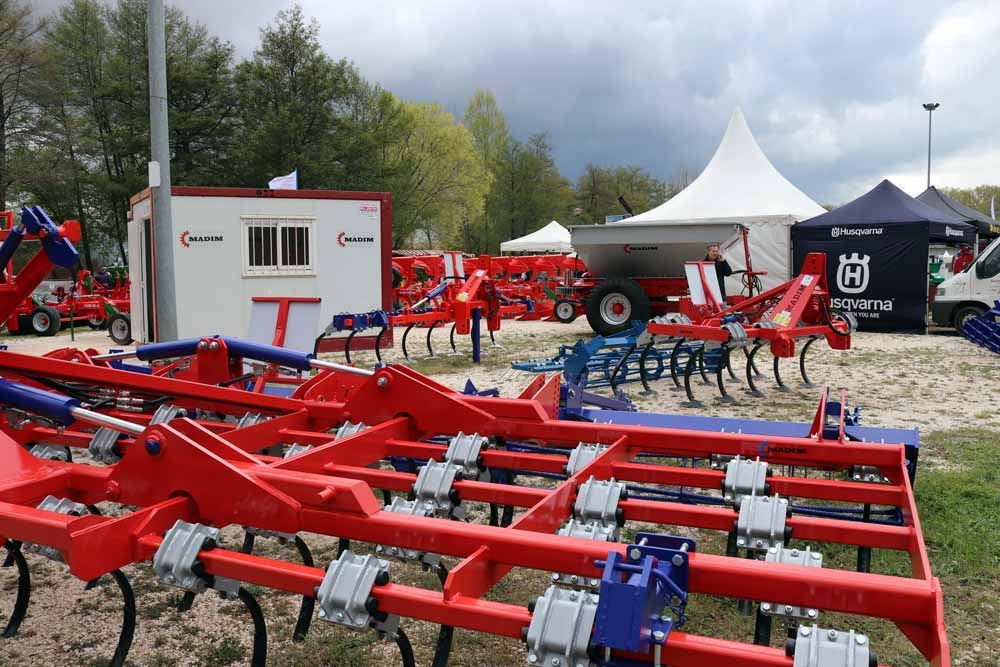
<point x="386" y="461"/>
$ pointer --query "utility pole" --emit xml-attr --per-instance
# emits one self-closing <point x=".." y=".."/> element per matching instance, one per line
<point x="159" y="177"/>
<point x="930" y="106"/>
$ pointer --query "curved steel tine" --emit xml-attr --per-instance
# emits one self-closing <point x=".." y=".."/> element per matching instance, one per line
<point x="451" y="338"/>
<point x="347" y="345"/>
<point x="754" y="391"/>
<point x="674" y="353"/>
<point x="646" y="389"/>
<point x="405" y="649"/>
<point x="750" y="363"/>
<point x="701" y="366"/>
<point x="618" y="367"/>
<point x="777" y="376"/>
<point x="128" y="619"/>
<point x="729" y="367"/>
<point x="723" y="363"/>
<point x="378" y="344"/>
<point x="16" y="558"/>
<point x="259" y="656"/>
<point x="430" y="330"/>
<point x="493" y="341"/>
<point x="308" y="602"/>
<point x="806" y="382"/>
<point x="406" y="355"/>
<point x="692" y="363"/>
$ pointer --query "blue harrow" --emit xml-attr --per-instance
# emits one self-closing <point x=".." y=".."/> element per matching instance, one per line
<point x="985" y="329"/>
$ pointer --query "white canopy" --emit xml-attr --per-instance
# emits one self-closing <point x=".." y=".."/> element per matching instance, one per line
<point x="553" y="237"/>
<point x="740" y="185"/>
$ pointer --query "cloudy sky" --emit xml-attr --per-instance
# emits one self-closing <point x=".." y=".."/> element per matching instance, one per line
<point x="832" y="90"/>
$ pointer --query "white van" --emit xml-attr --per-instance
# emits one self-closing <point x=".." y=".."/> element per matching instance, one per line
<point x="971" y="292"/>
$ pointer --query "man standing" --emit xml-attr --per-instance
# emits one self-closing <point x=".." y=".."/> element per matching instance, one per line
<point x="103" y="277"/>
<point x="722" y="268"/>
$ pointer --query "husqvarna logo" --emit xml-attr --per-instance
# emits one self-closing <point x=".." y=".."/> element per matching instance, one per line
<point x="852" y="273"/>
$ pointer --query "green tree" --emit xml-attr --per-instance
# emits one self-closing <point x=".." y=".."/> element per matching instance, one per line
<point x="19" y="62"/>
<point x="490" y="135"/>
<point x="529" y="191"/>
<point x="979" y="197"/>
<point x="598" y="189"/>
<point x="288" y="91"/>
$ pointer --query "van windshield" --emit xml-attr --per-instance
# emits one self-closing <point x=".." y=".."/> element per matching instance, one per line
<point x="989" y="262"/>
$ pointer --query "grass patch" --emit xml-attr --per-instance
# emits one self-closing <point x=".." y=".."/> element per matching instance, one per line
<point x="226" y="652"/>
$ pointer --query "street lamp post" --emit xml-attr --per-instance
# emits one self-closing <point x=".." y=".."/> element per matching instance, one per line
<point x="930" y="106"/>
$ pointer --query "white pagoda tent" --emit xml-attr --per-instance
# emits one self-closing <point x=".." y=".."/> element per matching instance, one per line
<point x="553" y="237"/>
<point x="741" y="186"/>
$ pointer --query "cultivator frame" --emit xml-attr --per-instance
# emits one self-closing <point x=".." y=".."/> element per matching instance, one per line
<point x="186" y="477"/>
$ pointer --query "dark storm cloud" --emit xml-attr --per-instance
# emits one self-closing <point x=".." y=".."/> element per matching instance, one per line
<point x="831" y="90"/>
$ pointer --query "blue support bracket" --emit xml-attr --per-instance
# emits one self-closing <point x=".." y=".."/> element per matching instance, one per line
<point x="643" y="595"/>
<point x="58" y="249"/>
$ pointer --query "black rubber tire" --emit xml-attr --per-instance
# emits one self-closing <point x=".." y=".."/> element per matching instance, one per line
<point x="96" y="324"/>
<point x="45" y="321"/>
<point x="23" y="325"/>
<point x="563" y="317"/>
<point x="966" y="313"/>
<point x="115" y="330"/>
<point x="630" y="291"/>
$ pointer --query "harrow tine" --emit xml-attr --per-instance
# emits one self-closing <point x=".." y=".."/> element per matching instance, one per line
<point x="692" y="362"/>
<point x="777" y="376"/>
<point x="442" y="650"/>
<point x="729" y="367"/>
<point x="493" y="341"/>
<point x="378" y="344"/>
<point x="128" y="616"/>
<point x="757" y="393"/>
<point x="15" y="557"/>
<point x="451" y="338"/>
<point x="259" y="656"/>
<point x="701" y="366"/>
<point x="723" y="363"/>
<point x="619" y="366"/>
<point x="405" y="649"/>
<point x="347" y="345"/>
<point x="806" y="382"/>
<point x="751" y="364"/>
<point x="308" y="603"/>
<point x="430" y="330"/>
<point x="673" y="364"/>
<point x="646" y="389"/>
<point x="406" y="355"/>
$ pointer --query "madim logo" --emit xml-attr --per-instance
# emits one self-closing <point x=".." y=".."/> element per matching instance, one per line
<point x="629" y="249"/>
<point x="207" y="238"/>
<point x="343" y="239"/>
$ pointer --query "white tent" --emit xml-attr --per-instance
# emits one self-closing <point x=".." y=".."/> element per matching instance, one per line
<point x="553" y="237"/>
<point x="740" y="185"/>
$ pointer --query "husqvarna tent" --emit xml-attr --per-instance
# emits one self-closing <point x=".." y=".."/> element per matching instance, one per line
<point x="876" y="248"/>
<point x="553" y="237"/>
<point x="986" y="226"/>
<point x="740" y="185"/>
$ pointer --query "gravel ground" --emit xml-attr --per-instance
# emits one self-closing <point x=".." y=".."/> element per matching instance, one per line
<point x="933" y="382"/>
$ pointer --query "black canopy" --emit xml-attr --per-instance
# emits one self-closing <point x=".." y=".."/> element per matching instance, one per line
<point x="987" y="226"/>
<point x="888" y="206"/>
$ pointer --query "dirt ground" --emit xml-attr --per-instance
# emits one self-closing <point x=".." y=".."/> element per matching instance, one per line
<point x="938" y="383"/>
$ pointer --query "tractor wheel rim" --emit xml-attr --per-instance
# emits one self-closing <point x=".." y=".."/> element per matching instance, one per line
<point x="564" y="310"/>
<point x="41" y="321"/>
<point x="616" y="309"/>
<point x="95" y="321"/>
<point x="120" y="329"/>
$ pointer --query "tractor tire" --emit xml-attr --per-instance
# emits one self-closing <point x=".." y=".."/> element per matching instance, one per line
<point x="564" y="311"/>
<point x="966" y="313"/>
<point x="23" y="325"/>
<point x="120" y="328"/>
<point x="613" y="305"/>
<point x="96" y="323"/>
<point x="45" y="321"/>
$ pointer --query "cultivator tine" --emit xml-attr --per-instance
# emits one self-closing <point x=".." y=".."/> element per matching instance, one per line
<point x="378" y="344"/>
<point x="729" y="368"/>
<point x="493" y="341"/>
<point x="750" y="363"/>
<point x="430" y="330"/>
<point x="762" y="629"/>
<point x="406" y="355"/>
<point x="674" y="353"/>
<point x="723" y="363"/>
<point x="865" y="553"/>
<point x="259" y="656"/>
<point x="701" y="366"/>
<point x="451" y="339"/>
<point x="646" y="389"/>
<point x="777" y="376"/>
<point x="619" y="366"/>
<point x="16" y="558"/>
<point x="308" y="602"/>
<point x="405" y="648"/>
<point x="128" y="619"/>
<point x="752" y="370"/>
<point x="806" y="382"/>
<point x="347" y="345"/>
<point x="693" y="360"/>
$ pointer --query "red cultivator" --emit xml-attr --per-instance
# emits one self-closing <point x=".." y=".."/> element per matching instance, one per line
<point x="184" y="459"/>
<point x="798" y="309"/>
